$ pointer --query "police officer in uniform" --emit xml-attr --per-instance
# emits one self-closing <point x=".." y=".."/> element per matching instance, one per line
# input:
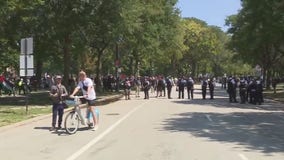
<point x="204" y="84"/>
<point x="146" y="87"/>
<point x="243" y="90"/>
<point x="169" y="84"/>
<point x="232" y="89"/>
<point x="190" y="87"/>
<point x="211" y="85"/>
<point x="181" y="84"/>
<point x="259" y="92"/>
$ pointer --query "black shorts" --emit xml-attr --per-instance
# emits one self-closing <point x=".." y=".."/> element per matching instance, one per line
<point x="90" y="102"/>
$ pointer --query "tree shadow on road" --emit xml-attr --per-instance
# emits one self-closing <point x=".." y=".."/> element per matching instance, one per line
<point x="255" y="131"/>
<point x="224" y="103"/>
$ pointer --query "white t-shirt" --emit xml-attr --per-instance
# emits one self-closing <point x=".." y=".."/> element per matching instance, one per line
<point x="83" y="85"/>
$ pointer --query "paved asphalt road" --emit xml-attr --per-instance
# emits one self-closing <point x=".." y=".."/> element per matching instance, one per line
<point x="159" y="129"/>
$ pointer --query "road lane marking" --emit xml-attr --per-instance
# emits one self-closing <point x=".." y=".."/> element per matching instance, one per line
<point x="102" y="135"/>
<point x="243" y="157"/>
<point x="209" y="118"/>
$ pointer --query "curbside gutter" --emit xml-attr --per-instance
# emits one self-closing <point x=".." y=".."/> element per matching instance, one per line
<point x="99" y="102"/>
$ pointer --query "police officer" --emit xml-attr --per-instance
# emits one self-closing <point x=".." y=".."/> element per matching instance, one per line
<point x="211" y="85"/>
<point x="181" y="84"/>
<point x="232" y="89"/>
<point x="190" y="87"/>
<point x="253" y="87"/>
<point x="146" y="87"/>
<point x="259" y="92"/>
<point x="243" y="90"/>
<point x="204" y="84"/>
<point x="169" y="84"/>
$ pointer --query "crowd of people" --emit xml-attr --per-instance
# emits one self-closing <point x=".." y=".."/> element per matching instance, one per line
<point x="249" y="89"/>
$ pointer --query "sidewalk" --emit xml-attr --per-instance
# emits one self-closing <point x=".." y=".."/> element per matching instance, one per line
<point x="103" y="100"/>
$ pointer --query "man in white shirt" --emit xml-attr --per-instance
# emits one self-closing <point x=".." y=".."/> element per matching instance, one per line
<point x="87" y="87"/>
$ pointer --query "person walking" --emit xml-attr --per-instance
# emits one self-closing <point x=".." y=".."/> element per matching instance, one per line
<point x="58" y="94"/>
<point x="87" y="87"/>
<point x="127" y="88"/>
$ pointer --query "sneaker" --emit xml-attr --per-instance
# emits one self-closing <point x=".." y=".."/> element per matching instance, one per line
<point x="52" y="129"/>
<point x="96" y="127"/>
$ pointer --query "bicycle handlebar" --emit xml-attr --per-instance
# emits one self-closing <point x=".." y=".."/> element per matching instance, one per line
<point x="76" y="97"/>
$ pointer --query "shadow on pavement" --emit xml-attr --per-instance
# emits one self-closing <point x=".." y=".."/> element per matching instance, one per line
<point x="261" y="129"/>
<point x="255" y="131"/>
<point x="62" y="131"/>
<point x="221" y="100"/>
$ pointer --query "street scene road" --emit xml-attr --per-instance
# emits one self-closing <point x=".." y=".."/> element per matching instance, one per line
<point x="159" y="129"/>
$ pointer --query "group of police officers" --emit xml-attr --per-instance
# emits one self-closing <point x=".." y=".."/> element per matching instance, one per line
<point x="250" y="89"/>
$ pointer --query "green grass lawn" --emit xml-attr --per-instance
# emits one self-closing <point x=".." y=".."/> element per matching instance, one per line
<point x="9" y="115"/>
<point x="278" y="96"/>
<point x="13" y="109"/>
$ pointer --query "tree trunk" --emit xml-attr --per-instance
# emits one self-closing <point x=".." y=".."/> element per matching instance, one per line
<point x="268" y="82"/>
<point x="98" y="68"/>
<point x="193" y="70"/>
<point x="66" y="59"/>
<point x="39" y="65"/>
<point x="132" y="67"/>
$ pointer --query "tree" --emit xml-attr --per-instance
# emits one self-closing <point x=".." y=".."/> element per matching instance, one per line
<point x="257" y="34"/>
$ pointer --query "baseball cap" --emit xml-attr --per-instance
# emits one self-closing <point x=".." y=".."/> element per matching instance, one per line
<point x="58" y="77"/>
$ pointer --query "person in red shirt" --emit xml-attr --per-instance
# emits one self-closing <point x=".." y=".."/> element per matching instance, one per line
<point x="2" y="79"/>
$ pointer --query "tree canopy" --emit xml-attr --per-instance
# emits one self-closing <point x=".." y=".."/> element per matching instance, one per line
<point x="146" y="36"/>
<point x="258" y="34"/>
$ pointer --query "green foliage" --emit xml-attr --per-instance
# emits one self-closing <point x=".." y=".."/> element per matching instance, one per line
<point x="149" y="36"/>
<point x="258" y="33"/>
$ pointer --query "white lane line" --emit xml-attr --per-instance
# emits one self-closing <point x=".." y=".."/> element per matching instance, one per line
<point x="209" y="118"/>
<point x="243" y="157"/>
<point x="101" y="136"/>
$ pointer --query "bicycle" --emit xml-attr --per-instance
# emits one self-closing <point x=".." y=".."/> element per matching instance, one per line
<point x="73" y="118"/>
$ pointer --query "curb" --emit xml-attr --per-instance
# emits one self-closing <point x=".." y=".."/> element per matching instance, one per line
<point x="99" y="102"/>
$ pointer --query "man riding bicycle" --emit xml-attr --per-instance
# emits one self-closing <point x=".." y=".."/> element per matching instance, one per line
<point x="87" y="87"/>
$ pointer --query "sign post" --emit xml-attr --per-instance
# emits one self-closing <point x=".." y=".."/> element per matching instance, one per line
<point x="26" y="62"/>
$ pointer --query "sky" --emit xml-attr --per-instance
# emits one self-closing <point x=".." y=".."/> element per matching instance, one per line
<point x="214" y="12"/>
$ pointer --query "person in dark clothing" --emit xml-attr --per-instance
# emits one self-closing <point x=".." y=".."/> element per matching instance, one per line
<point x="181" y="84"/>
<point x="159" y="87"/>
<point x="204" y="84"/>
<point x="253" y="88"/>
<point x="274" y="83"/>
<point x="190" y="88"/>
<point x="146" y="88"/>
<point x="169" y="84"/>
<point x="164" y="86"/>
<point x="259" y="92"/>
<point x="243" y="90"/>
<point x="58" y="93"/>
<point x="211" y="85"/>
<point x="127" y="89"/>
<point x="232" y="90"/>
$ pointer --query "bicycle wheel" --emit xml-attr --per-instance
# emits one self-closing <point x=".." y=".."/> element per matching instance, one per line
<point x="71" y="123"/>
